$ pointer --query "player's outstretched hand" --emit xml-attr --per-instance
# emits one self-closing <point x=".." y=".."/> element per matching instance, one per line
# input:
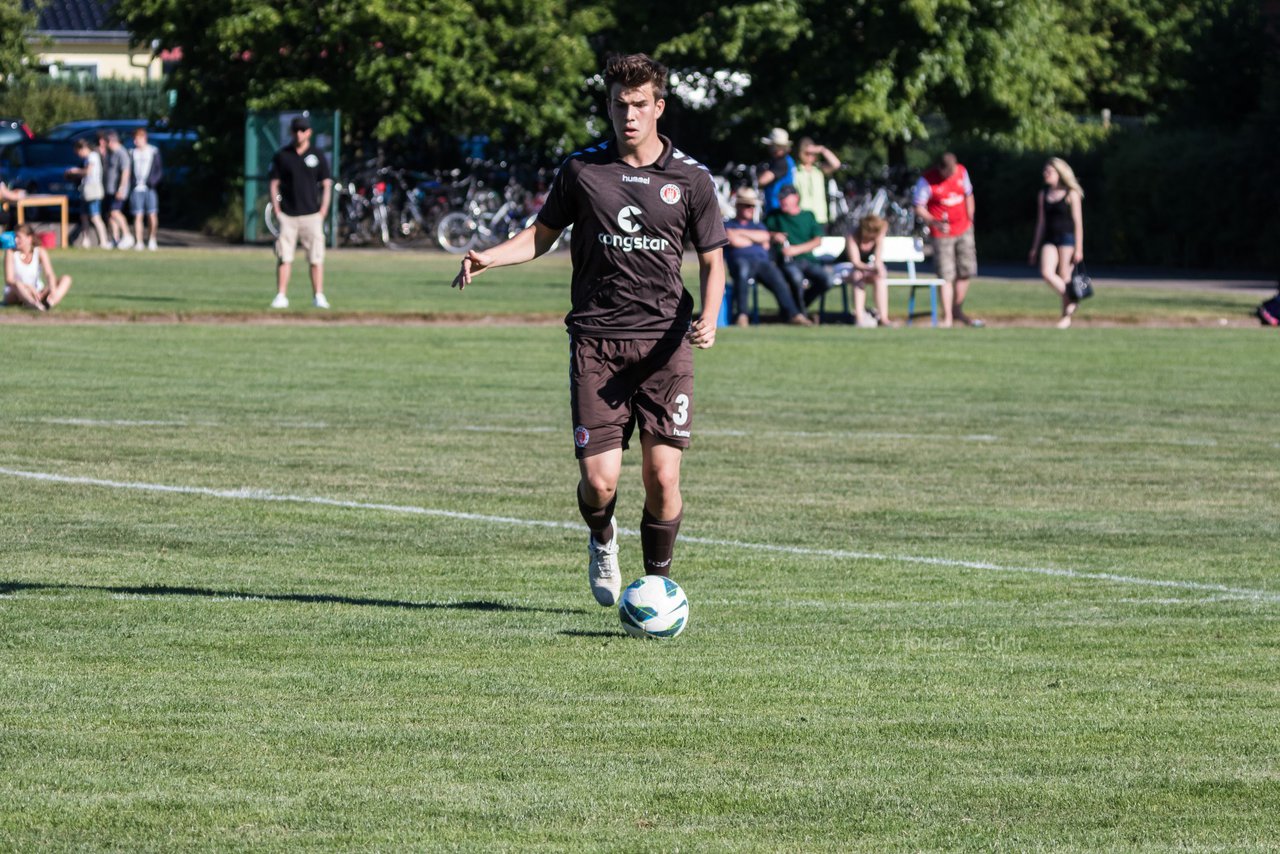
<point x="702" y="333"/>
<point x="472" y="264"/>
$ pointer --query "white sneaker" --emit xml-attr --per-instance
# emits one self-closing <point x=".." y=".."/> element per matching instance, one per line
<point x="320" y="301"/>
<point x="602" y="572"/>
<point x="281" y="301"/>
<point x="125" y="242"/>
<point x="151" y="245"/>
<point x="106" y="246"/>
<point x="138" y="247"/>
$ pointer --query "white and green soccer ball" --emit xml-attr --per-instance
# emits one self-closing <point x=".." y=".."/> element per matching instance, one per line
<point x="654" y="607"/>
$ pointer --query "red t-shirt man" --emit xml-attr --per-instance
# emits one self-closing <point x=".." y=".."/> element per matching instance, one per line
<point x="945" y="197"/>
<point x="944" y="200"/>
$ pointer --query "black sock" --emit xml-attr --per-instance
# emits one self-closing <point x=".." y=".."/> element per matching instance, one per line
<point x="658" y="542"/>
<point x="598" y="519"/>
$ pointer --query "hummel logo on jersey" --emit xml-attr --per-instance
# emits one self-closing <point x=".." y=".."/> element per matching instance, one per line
<point x="625" y="221"/>
<point x="634" y="179"/>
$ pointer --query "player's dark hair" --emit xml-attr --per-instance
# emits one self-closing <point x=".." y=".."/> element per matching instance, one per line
<point x="633" y="71"/>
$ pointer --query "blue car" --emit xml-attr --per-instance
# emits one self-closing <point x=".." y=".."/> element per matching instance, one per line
<point x="14" y="130"/>
<point x="40" y="167"/>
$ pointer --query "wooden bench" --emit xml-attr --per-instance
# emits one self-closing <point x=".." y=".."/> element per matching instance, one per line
<point x="897" y="250"/>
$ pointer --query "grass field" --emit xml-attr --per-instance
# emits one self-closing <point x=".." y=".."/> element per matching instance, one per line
<point x="322" y="586"/>
<point x="239" y="283"/>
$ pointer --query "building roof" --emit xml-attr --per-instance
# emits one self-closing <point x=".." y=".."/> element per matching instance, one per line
<point x="76" y="18"/>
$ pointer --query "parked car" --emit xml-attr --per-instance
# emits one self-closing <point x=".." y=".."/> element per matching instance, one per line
<point x="39" y="166"/>
<point x="13" y="130"/>
<point x="90" y="128"/>
<point x="160" y="136"/>
<point x="175" y="145"/>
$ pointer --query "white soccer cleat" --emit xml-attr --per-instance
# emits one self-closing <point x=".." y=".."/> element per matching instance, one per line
<point x="281" y="301"/>
<point x="602" y="572"/>
<point x="125" y="242"/>
<point x="320" y="301"/>
<point x="151" y="245"/>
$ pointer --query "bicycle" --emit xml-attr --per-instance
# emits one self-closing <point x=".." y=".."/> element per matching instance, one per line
<point x="475" y="228"/>
<point x="422" y="205"/>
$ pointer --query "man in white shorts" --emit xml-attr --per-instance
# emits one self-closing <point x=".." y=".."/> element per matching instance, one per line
<point x="301" y="185"/>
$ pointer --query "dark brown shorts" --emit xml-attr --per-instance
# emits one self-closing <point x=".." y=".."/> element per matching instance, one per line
<point x="615" y="385"/>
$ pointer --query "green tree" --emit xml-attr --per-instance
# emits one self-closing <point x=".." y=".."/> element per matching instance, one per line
<point x="16" y="25"/>
<point x="1016" y="71"/>
<point x="459" y="66"/>
<point x="875" y="72"/>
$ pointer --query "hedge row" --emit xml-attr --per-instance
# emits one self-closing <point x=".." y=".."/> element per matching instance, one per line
<point x="1190" y="198"/>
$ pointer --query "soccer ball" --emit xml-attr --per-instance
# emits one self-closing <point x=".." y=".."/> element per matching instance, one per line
<point x="654" y="607"/>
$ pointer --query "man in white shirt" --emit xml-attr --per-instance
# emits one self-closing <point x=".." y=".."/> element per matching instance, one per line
<point x="147" y="172"/>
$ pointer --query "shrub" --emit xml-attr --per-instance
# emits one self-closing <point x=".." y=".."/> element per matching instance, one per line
<point x="43" y="104"/>
<point x="1153" y="195"/>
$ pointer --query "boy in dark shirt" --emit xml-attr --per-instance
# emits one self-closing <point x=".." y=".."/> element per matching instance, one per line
<point x="632" y="201"/>
<point x="300" y="190"/>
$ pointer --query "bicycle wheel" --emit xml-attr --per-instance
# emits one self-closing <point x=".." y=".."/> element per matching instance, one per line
<point x="381" y="226"/>
<point x="269" y="217"/>
<point x="456" y="233"/>
<point x="409" y="225"/>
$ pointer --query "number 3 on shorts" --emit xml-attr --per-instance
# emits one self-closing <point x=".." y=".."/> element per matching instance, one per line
<point x="681" y="415"/>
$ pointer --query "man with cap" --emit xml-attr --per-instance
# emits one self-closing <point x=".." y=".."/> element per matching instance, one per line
<point x="747" y="257"/>
<point x="779" y="171"/>
<point x="796" y="234"/>
<point x="300" y="190"/>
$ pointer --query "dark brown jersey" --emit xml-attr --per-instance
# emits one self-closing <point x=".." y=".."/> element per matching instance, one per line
<point x="630" y="226"/>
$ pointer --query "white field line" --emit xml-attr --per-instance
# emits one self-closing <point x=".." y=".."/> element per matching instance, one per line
<point x="872" y="435"/>
<point x="531" y="430"/>
<point x="124" y="422"/>
<point x="787" y="434"/>
<point x="848" y="434"/>
<point x="487" y="428"/>
<point x="798" y="551"/>
<point x="118" y="422"/>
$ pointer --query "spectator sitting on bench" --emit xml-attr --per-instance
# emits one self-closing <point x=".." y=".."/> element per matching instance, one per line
<point x="865" y="248"/>
<point x="747" y="257"/>
<point x="796" y="234"/>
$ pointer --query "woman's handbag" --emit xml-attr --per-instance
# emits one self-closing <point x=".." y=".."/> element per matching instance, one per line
<point x="1080" y="286"/>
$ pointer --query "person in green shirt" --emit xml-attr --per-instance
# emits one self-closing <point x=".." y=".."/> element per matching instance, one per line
<point x="796" y="234"/>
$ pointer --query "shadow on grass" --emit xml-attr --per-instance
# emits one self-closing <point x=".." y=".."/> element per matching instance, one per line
<point x="9" y="587"/>
<point x="579" y="633"/>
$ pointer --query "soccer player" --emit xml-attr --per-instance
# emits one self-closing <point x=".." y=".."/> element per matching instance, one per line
<point x="633" y="201"/>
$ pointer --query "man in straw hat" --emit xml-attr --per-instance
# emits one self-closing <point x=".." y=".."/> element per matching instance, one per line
<point x="779" y="171"/>
<point x="747" y="257"/>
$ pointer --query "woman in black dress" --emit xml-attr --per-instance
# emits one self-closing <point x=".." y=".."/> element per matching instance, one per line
<point x="1059" y="240"/>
